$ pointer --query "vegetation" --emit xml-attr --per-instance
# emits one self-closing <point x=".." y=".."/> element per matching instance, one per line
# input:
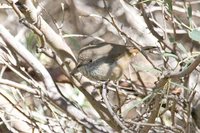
<point x="39" y="44"/>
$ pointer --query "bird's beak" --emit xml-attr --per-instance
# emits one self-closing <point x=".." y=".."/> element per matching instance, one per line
<point x="149" y="47"/>
<point x="79" y="65"/>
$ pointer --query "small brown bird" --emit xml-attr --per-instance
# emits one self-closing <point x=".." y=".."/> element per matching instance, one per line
<point x="104" y="61"/>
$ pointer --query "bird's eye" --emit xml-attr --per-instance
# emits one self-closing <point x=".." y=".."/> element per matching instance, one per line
<point x="90" y="61"/>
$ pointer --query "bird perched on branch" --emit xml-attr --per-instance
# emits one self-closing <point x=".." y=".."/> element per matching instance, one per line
<point x="105" y="61"/>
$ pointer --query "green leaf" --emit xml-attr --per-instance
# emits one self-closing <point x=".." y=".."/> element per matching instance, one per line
<point x="189" y="13"/>
<point x="169" y="4"/>
<point x="172" y="39"/>
<point x="189" y="9"/>
<point x="31" y="41"/>
<point x="180" y="85"/>
<point x="170" y="55"/>
<point x="195" y="34"/>
<point x="140" y="101"/>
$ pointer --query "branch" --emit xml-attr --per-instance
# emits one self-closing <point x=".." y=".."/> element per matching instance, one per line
<point x="49" y="84"/>
<point x="67" y="56"/>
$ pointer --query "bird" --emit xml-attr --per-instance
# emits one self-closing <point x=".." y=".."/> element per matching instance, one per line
<point x="105" y="61"/>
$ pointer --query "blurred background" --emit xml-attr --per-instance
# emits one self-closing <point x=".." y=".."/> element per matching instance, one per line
<point x="170" y="25"/>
